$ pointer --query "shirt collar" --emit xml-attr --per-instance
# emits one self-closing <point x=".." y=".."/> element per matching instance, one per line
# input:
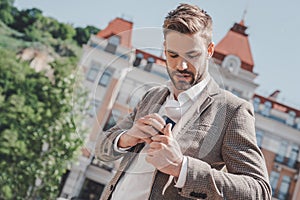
<point x="190" y="94"/>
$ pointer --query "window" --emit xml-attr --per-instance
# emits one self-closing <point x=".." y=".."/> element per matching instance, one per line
<point x="150" y="62"/>
<point x="105" y="78"/>
<point x="281" y="152"/>
<point x="113" y="118"/>
<point x="259" y="137"/>
<point x="115" y="40"/>
<point x="91" y="190"/>
<point x="291" y="118"/>
<point x="138" y="59"/>
<point x="274" y="176"/>
<point x="112" y="44"/>
<point x="284" y="187"/>
<point x="256" y="102"/>
<point x="93" y="108"/>
<point x="267" y="108"/>
<point x="93" y="72"/>
<point x="293" y="156"/>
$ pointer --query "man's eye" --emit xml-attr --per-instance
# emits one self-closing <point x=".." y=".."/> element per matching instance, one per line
<point x="193" y="56"/>
<point x="173" y="55"/>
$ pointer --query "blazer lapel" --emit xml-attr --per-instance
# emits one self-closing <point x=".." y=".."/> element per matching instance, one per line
<point x="201" y="104"/>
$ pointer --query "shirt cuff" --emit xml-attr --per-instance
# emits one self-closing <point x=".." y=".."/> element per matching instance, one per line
<point x="182" y="175"/>
<point x="119" y="149"/>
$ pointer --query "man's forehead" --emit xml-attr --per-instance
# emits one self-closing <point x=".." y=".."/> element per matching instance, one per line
<point x="184" y="43"/>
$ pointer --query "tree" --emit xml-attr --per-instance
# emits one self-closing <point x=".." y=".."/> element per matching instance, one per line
<point x="26" y="18"/>
<point x="39" y="133"/>
<point x="6" y="10"/>
<point x="83" y="34"/>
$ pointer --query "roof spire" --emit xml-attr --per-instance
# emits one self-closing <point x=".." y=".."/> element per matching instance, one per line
<point x="244" y="13"/>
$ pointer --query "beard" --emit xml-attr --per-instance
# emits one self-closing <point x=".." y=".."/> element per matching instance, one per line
<point x="180" y="79"/>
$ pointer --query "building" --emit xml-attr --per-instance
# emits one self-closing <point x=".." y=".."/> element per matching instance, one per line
<point x="117" y="76"/>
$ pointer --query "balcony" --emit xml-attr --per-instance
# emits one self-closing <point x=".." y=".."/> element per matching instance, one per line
<point x="286" y="161"/>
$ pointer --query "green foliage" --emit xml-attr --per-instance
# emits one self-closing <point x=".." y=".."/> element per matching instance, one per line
<point x="83" y="34"/>
<point x="26" y="18"/>
<point x="6" y="10"/>
<point x="40" y="131"/>
<point x="39" y="28"/>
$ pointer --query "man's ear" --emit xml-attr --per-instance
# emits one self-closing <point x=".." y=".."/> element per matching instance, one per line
<point x="211" y="49"/>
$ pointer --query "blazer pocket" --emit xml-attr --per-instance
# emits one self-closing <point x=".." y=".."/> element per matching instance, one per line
<point x="191" y="140"/>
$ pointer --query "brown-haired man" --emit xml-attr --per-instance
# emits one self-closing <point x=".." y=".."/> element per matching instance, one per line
<point x="214" y="129"/>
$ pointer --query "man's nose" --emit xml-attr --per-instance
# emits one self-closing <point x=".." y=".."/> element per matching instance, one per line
<point x="182" y="65"/>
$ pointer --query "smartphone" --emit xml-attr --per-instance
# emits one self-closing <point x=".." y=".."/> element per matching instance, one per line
<point x="168" y="120"/>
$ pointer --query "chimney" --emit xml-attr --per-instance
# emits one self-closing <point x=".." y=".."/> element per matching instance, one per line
<point x="274" y="95"/>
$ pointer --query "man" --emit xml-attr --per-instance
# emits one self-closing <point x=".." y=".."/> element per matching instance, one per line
<point x="210" y="153"/>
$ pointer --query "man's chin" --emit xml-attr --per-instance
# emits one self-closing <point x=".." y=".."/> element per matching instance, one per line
<point x="182" y="85"/>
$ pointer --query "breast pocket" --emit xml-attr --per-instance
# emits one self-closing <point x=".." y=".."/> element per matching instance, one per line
<point x="192" y="139"/>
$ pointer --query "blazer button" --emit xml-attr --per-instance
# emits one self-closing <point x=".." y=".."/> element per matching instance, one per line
<point x="111" y="187"/>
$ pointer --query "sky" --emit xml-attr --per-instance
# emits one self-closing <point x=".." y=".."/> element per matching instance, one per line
<point x="273" y="28"/>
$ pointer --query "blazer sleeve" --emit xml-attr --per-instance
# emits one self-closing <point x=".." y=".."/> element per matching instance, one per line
<point x="246" y="176"/>
<point x="104" y="149"/>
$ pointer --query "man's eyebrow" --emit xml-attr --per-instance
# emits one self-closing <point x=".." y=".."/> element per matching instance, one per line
<point x="193" y="51"/>
<point x="170" y="51"/>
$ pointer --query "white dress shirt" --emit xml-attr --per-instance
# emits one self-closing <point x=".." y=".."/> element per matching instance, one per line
<point x="136" y="182"/>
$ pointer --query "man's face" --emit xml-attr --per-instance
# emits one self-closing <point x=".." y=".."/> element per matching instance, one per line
<point x="187" y="57"/>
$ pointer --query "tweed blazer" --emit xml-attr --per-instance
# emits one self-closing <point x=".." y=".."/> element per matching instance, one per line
<point x="217" y="135"/>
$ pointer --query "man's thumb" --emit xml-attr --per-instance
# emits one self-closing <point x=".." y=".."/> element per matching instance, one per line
<point x="168" y="131"/>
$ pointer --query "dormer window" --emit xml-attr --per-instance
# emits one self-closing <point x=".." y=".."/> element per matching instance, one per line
<point x="138" y="59"/>
<point x="115" y="40"/>
<point x="112" y="44"/>
<point x="150" y="62"/>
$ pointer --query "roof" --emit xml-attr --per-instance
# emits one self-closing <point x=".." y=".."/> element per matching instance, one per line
<point x="120" y="27"/>
<point x="277" y="105"/>
<point x="236" y="42"/>
<point x="146" y="55"/>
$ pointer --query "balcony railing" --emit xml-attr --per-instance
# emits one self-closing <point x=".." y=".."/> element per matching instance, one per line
<point x="278" y="119"/>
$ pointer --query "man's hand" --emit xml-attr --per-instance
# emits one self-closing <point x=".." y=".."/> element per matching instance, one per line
<point x="165" y="153"/>
<point x="142" y="131"/>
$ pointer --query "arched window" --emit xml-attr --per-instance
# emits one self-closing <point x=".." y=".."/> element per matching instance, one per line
<point x="274" y="176"/>
<point x="293" y="156"/>
<point x="281" y="153"/>
<point x="284" y="187"/>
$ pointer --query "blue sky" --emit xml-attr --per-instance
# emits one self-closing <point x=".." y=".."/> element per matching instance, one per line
<point x="273" y="28"/>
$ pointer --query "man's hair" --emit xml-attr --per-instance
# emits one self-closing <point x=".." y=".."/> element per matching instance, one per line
<point x="189" y="19"/>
